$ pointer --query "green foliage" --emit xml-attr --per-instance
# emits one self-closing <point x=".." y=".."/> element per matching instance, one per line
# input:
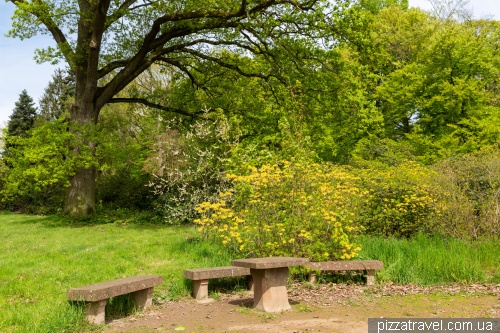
<point x="472" y="200"/>
<point x="295" y="210"/>
<point x="386" y="151"/>
<point x="401" y="199"/>
<point x="333" y="118"/>
<point x="45" y="158"/>
<point x="435" y="82"/>
<point x="123" y="189"/>
<point x="375" y="6"/>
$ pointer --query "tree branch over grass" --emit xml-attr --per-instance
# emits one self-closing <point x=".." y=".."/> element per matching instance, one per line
<point x="108" y="44"/>
<point x="156" y="106"/>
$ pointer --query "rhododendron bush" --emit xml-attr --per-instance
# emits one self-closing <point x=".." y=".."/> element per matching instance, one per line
<point x="291" y="209"/>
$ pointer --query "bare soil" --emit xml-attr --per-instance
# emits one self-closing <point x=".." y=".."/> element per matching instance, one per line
<point x="317" y="308"/>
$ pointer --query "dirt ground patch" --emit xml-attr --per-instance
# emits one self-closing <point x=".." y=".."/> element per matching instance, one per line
<point x="323" y="308"/>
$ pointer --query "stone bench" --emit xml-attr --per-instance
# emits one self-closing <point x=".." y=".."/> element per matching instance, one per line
<point x="200" y="277"/>
<point x="368" y="266"/>
<point x="96" y="295"/>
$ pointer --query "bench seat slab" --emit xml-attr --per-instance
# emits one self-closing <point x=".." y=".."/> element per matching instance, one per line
<point x="361" y="265"/>
<point x="105" y="290"/>
<point x="215" y="272"/>
<point x="270" y="262"/>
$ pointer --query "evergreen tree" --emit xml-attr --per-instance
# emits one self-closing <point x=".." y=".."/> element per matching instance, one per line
<point x="54" y="99"/>
<point x="23" y="116"/>
<point x="21" y="120"/>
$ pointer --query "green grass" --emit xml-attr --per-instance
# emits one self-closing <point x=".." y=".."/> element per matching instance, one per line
<point x="42" y="257"/>
<point x="433" y="259"/>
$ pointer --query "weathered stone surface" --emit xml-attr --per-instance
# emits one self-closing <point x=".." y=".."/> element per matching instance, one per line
<point x="143" y="298"/>
<point x="215" y="272"/>
<point x="370" y="277"/>
<point x="200" y="289"/>
<point x="95" y="311"/>
<point x="270" y="289"/>
<point x="271" y="262"/>
<point x="250" y="282"/>
<point x="346" y="265"/>
<point x="104" y="290"/>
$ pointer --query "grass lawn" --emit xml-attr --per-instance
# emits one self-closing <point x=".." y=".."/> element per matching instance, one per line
<point x="42" y="257"/>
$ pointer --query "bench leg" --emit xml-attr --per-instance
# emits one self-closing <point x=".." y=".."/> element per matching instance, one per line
<point x="142" y="298"/>
<point x="270" y="289"/>
<point x="95" y="311"/>
<point x="312" y="278"/>
<point x="200" y="289"/>
<point x="370" y="277"/>
<point x="250" y="282"/>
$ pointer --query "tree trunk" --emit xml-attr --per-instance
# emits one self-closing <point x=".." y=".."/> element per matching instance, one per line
<point x="80" y="196"/>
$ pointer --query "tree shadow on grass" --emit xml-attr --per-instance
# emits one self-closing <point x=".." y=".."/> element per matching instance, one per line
<point x="66" y="222"/>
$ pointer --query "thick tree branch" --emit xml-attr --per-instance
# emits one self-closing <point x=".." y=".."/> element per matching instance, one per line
<point x="223" y="64"/>
<point x="118" y="14"/>
<point x="183" y="69"/>
<point x="111" y="67"/>
<point x="156" y="106"/>
<point x="57" y="34"/>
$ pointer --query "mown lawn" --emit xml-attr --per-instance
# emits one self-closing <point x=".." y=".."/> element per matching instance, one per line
<point x="42" y="257"/>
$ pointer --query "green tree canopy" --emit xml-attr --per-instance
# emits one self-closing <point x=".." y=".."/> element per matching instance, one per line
<point x="108" y="44"/>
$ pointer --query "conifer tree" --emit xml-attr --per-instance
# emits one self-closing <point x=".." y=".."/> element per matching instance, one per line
<point x="21" y="120"/>
<point x="23" y="116"/>
<point x="56" y="94"/>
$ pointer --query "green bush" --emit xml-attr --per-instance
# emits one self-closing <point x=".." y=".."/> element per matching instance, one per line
<point x="471" y="204"/>
<point x="124" y="189"/>
<point x="401" y="199"/>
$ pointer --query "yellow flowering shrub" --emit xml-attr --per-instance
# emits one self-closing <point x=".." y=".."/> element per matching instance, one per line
<point x="292" y="209"/>
<point x="401" y="199"/>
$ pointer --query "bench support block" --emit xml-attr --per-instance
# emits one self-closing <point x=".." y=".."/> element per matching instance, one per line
<point x="312" y="278"/>
<point x="95" y="311"/>
<point x="142" y="298"/>
<point x="270" y="289"/>
<point x="249" y="282"/>
<point x="200" y="289"/>
<point x="370" y="277"/>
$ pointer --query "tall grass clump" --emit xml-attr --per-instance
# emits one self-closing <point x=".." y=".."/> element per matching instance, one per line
<point x="433" y="259"/>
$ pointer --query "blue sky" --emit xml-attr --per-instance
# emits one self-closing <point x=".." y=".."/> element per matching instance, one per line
<point x="19" y="71"/>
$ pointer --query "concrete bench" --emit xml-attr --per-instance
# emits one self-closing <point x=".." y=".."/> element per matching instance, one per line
<point x="368" y="266"/>
<point x="200" y="277"/>
<point x="96" y="295"/>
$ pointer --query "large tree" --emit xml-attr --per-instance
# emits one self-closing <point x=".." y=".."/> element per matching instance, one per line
<point x="109" y="43"/>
